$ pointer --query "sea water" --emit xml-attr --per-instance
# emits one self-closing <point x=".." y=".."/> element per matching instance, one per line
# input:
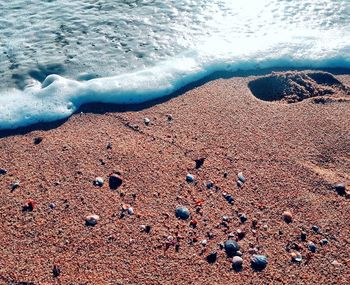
<point x="56" y="55"/>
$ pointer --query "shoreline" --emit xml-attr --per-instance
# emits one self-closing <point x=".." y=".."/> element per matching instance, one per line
<point x="291" y="155"/>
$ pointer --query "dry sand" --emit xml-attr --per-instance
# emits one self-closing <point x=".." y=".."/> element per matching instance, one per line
<point x="290" y="154"/>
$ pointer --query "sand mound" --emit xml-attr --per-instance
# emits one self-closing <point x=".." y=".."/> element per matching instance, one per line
<point x="294" y="86"/>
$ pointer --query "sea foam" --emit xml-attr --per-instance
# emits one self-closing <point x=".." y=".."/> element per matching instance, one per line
<point x="238" y="37"/>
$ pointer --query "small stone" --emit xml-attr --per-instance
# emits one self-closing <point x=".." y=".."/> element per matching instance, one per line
<point x="243" y="218"/>
<point x="211" y="258"/>
<point x="169" y="117"/>
<point x="324" y="241"/>
<point x="15" y="185"/>
<point x="115" y="181"/>
<point x="237" y="263"/>
<point x="204" y="242"/>
<point x="239" y="183"/>
<point x="311" y="246"/>
<point x="109" y="145"/>
<point x="3" y="171"/>
<point x="38" y="140"/>
<point x="146" y="121"/>
<point x="265" y="227"/>
<point x="259" y="262"/>
<point x="225" y="218"/>
<point x="91" y="220"/>
<point x="241" y="177"/>
<point x="229" y="199"/>
<point x="287" y="216"/>
<point x="199" y="162"/>
<point x="52" y="205"/>
<point x="182" y="213"/>
<point x="210" y="184"/>
<point x="98" y="181"/>
<point x="225" y="174"/>
<point x="316" y="229"/>
<point x="146" y="229"/>
<point x="296" y="256"/>
<point x="189" y="178"/>
<point x="231" y="247"/>
<point x="56" y="271"/>
<point x="240" y="234"/>
<point x="303" y="236"/>
<point x="340" y="189"/>
<point x="29" y="206"/>
<point x="130" y="211"/>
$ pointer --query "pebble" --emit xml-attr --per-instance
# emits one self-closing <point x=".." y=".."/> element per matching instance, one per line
<point x="56" y="271"/>
<point x="225" y="218"/>
<point x="324" y="241"/>
<point x="210" y="184"/>
<point x="52" y="205"/>
<point x="303" y="236"/>
<point x="311" y="246"/>
<point x="169" y="117"/>
<point x="259" y="262"/>
<point x="199" y="162"/>
<point x="130" y="211"/>
<point x="237" y="263"/>
<point x="211" y="258"/>
<point x="38" y="140"/>
<point x="189" y="178"/>
<point x="240" y="234"/>
<point x="239" y="183"/>
<point x="231" y="247"/>
<point x="115" y="181"/>
<point x="146" y="229"/>
<point x="239" y="253"/>
<point x="265" y="227"/>
<point x="91" y="220"/>
<point x="15" y="185"/>
<point x="340" y="189"/>
<point x="229" y="198"/>
<point x="29" y="206"/>
<point x="146" y="121"/>
<point x="296" y="256"/>
<point x="316" y="229"/>
<point x="204" y="242"/>
<point x="287" y="216"/>
<point x="241" y="177"/>
<point x="99" y="181"/>
<point x="182" y="213"/>
<point x="3" y="171"/>
<point x="243" y="218"/>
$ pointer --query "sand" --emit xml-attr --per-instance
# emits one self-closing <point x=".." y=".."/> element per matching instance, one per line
<point x="290" y="154"/>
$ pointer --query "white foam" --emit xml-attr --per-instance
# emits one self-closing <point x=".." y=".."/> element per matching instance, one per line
<point x="273" y="34"/>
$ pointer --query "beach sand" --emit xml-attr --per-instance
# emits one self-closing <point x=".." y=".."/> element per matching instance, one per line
<point x="290" y="154"/>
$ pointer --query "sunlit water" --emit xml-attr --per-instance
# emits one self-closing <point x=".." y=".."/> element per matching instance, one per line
<point x="134" y="51"/>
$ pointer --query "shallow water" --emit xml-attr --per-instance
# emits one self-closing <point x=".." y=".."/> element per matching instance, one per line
<point x="133" y="51"/>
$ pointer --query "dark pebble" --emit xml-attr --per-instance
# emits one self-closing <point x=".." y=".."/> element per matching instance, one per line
<point x="115" y="181"/>
<point x="324" y="241"/>
<point x="189" y="178"/>
<point x="259" y="262"/>
<point x="231" y="247"/>
<point x="210" y="184"/>
<point x="38" y="140"/>
<point x="147" y="229"/>
<point x="182" y="213"/>
<point x="3" y="171"/>
<point x="340" y="189"/>
<point x="199" y="162"/>
<point x="316" y="229"/>
<point x="303" y="236"/>
<point x="241" y="177"/>
<point x="211" y="258"/>
<point x="311" y="246"/>
<point x="243" y="218"/>
<point x="237" y="263"/>
<point x="229" y="199"/>
<point x="56" y="271"/>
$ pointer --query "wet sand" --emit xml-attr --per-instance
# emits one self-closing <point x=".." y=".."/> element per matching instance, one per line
<point x="290" y="154"/>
